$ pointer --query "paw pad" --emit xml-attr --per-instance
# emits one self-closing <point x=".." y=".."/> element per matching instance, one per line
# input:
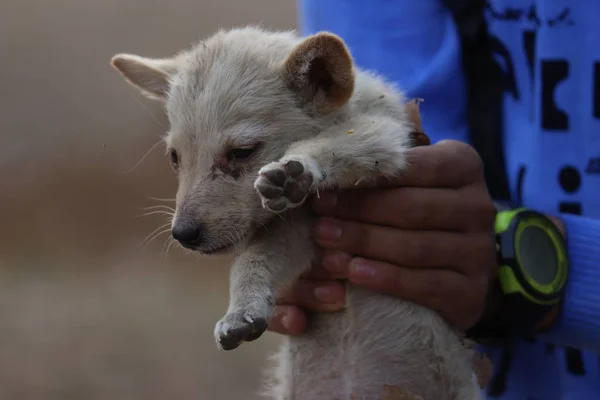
<point x="283" y="185"/>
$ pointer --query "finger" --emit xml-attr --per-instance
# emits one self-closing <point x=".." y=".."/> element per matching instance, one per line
<point x="314" y="295"/>
<point x="459" y="251"/>
<point x="446" y="164"/>
<point x="410" y="208"/>
<point x="288" y="320"/>
<point x="336" y="263"/>
<point x="431" y="288"/>
<point x="327" y="266"/>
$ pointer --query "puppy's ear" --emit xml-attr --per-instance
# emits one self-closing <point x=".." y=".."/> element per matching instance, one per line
<point x="150" y="76"/>
<point x="320" y="69"/>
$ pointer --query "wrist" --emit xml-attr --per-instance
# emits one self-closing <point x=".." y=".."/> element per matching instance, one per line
<point x="559" y="225"/>
<point x="521" y="300"/>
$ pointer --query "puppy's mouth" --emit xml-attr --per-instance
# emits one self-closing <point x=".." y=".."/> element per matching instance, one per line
<point x="222" y="249"/>
<point x="214" y="245"/>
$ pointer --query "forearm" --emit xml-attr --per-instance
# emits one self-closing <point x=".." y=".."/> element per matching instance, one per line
<point x="376" y="147"/>
<point x="268" y="263"/>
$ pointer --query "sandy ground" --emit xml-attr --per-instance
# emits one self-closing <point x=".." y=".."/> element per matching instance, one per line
<point x="88" y="310"/>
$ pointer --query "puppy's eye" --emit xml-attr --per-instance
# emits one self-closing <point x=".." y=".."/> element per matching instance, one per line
<point x="241" y="154"/>
<point x="174" y="159"/>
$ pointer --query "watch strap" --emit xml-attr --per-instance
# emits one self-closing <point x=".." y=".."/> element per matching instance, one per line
<point x="519" y="312"/>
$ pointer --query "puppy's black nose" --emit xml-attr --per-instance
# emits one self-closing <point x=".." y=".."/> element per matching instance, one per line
<point x="189" y="235"/>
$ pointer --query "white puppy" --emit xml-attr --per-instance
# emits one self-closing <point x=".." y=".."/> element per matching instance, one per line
<point x="260" y="120"/>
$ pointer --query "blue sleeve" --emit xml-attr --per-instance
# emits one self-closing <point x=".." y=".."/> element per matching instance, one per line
<point x="415" y="44"/>
<point x="411" y="43"/>
<point x="578" y="325"/>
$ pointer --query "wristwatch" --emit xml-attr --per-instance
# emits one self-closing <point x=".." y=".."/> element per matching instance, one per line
<point x="532" y="273"/>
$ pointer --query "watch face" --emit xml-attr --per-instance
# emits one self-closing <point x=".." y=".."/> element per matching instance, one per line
<point x="533" y="258"/>
<point x="537" y="255"/>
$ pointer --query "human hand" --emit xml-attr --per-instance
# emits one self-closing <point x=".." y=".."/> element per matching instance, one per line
<point x="429" y="241"/>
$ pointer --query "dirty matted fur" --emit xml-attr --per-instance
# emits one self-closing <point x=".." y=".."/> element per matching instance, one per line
<point x="258" y="121"/>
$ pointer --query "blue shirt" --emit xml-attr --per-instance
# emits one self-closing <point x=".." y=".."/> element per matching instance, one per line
<point x="550" y="53"/>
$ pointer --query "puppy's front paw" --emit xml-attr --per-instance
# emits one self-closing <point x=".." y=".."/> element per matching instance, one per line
<point x="235" y="328"/>
<point x="286" y="184"/>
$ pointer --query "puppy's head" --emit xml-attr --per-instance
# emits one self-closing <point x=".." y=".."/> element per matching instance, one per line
<point x="235" y="102"/>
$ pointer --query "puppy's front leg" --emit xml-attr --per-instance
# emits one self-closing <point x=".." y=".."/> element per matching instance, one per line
<point x="251" y="300"/>
<point x="276" y="257"/>
<point x="362" y="148"/>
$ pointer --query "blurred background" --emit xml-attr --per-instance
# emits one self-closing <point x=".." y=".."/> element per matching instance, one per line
<point x="92" y="306"/>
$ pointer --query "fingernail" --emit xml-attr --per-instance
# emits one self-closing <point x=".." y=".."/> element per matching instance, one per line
<point x="360" y="270"/>
<point x="325" y="201"/>
<point x="328" y="229"/>
<point x="327" y="294"/>
<point x="286" y="321"/>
